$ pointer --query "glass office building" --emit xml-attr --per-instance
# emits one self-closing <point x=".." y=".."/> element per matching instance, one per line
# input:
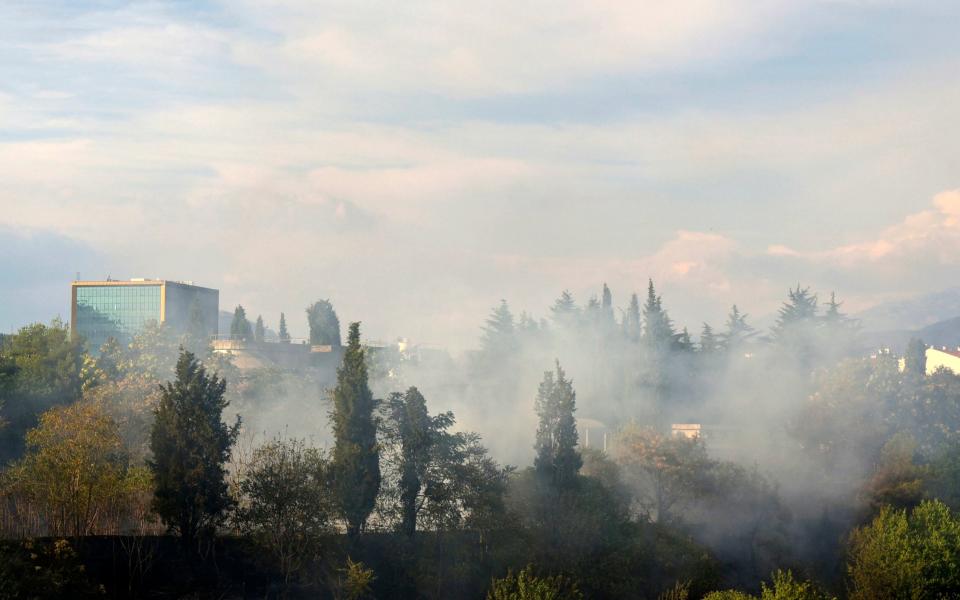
<point x="121" y="309"/>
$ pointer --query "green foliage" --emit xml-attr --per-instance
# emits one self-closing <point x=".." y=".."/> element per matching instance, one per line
<point x="783" y="587"/>
<point x="190" y="446"/>
<point x="679" y="591"/>
<point x="433" y="478"/>
<point x="663" y="472"/>
<point x="356" y="457"/>
<point x="75" y="471"/>
<point x="906" y="555"/>
<point x="40" y="367"/>
<point x="527" y="585"/>
<point x="417" y="434"/>
<point x="898" y="480"/>
<point x="355" y="582"/>
<point x="557" y="462"/>
<point x="285" y="505"/>
<point x="153" y="353"/>
<point x="324" y="324"/>
<point x="44" y="570"/>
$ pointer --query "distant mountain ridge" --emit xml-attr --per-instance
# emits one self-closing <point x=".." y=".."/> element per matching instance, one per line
<point x="934" y="318"/>
<point x="912" y="314"/>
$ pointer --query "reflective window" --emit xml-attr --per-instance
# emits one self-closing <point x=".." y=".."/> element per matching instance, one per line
<point x="115" y="311"/>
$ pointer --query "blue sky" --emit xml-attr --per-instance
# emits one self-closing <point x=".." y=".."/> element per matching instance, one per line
<point x="417" y="162"/>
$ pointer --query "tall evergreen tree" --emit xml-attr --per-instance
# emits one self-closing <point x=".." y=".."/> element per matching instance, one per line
<point x="565" y="311"/>
<point x="190" y="445"/>
<point x="738" y="330"/>
<point x="499" y="332"/>
<point x="657" y="327"/>
<point x="324" y="324"/>
<point x="259" y="332"/>
<point x="708" y="340"/>
<point x="800" y="310"/>
<point x="631" y="320"/>
<point x="558" y="461"/>
<point x="606" y="304"/>
<point x="915" y="358"/>
<point x="356" y="458"/>
<point x="240" y="327"/>
<point x="282" y="333"/>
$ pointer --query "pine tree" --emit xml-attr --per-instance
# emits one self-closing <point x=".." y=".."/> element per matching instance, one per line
<point x="658" y="329"/>
<point x="708" y="340"/>
<point x="558" y="461"/>
<point x="737" y="329"/>
<point x="833" y="314"/>
<point x="798" y="311"/>
<point x="324" y="324"/>
<point x="565" y="311"/>
<point x="283" y="334"/>
<point x="190" y="446"/>
<point x="240" y="327"/>
<point x="259" y="332"/>
<point x="499" y="333"/>
<point x="546" y="409"/>
<point x="356" y="459"/>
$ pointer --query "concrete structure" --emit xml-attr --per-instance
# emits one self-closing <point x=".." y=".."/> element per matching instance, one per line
<point x="943" y="357"/>
<point x="687" y="430"/>
<point x="120" y="309"/>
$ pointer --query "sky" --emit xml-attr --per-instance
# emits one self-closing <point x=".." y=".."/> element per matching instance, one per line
<point x="416" y="162"/>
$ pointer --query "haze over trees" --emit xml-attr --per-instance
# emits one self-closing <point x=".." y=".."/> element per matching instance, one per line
<point x="789" y="463"/>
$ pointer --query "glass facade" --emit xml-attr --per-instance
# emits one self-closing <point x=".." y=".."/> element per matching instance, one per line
<point x="118" y="311"/>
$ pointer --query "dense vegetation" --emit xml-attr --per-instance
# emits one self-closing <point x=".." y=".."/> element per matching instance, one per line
<point x="821" y="470"/>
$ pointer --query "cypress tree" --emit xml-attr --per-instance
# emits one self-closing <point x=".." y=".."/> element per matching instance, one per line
<point x="190" y="446"/>
<point x="283" y="334"/>
<point x="557" y="462"/>
<point x="240" y="327"/>
<point x="356" y="458"/>
<point x="259" y="332"/>
<point x="567" y="459"/>
<point x="546" y="409"/>
<point x="606" y="304"/>
<point x="915" y="358"/>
